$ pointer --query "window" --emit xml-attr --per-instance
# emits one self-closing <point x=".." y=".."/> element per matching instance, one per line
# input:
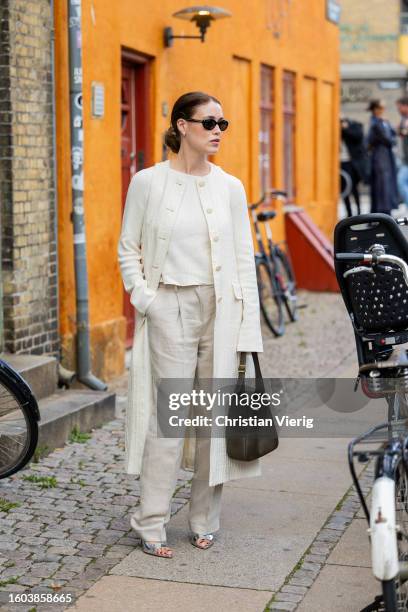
<point x="289" y="133"/>
<point x="266" y="139"/>
<point x="404" y="17"/>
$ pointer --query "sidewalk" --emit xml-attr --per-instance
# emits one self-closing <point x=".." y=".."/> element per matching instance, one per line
<point x="274" y="539"/>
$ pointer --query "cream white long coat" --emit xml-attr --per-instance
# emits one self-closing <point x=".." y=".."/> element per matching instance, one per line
<point x="153" y="198"/>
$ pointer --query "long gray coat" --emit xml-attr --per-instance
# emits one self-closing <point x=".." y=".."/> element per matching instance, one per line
<point x="153" y="198"/>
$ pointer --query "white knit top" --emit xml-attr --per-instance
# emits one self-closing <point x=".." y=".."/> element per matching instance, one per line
<point x="190" y="241"/>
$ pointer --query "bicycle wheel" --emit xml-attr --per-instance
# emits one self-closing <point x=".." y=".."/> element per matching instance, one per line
<point x="286" y="281"/>
<point x="395" y="592"/>
<point x="346" y="184"/>
<point x="18" y="421"/>
<point x="269" y="298"/>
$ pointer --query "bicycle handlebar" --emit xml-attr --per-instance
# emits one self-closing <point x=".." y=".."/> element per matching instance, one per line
<point x="274" y="193"/>
<point x="373" y="260"/>
<point x="350" y="256"/>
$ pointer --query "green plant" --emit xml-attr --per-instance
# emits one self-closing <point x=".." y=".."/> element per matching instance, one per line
<point x="73" y="480"/>
<point x="78" y="436"/>
<point x="45" y="482"/>
<point x="5" y="505"/>
<point x="10" y="580"/>
<point x="41" y="451"/>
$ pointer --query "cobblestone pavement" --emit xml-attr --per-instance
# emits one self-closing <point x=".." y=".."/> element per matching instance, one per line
<point x="63" y="538"/>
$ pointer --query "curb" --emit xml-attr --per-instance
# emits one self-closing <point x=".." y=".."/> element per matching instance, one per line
<point x="298" y="583"/>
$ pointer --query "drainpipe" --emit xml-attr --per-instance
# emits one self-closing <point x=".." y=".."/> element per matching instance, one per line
<point x="77" y="216"/>
<point x="65" y="377"/>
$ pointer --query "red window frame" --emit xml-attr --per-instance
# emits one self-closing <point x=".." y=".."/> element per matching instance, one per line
<point x="267" y="127"/>
<point x="289" y="127"/>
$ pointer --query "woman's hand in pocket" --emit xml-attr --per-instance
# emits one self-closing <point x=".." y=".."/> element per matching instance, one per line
<point x="153" y="301"/>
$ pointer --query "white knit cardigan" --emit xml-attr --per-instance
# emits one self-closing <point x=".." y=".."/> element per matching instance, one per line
<point x="152" y="202"/>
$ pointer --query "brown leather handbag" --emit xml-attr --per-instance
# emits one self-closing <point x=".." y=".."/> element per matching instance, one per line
<point x="244" y="441"/>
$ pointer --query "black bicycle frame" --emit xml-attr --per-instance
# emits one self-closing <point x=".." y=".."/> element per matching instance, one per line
<point x="386" y="464"/>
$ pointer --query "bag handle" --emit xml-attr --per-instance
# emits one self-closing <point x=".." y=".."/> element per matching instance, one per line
<point x="242" y="366"/>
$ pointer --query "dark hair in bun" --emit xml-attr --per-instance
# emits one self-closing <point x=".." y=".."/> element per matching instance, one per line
<point x="184" y="108"/>
<point x="374" y="104"/>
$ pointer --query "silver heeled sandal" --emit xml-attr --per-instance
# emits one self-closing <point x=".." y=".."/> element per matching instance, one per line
<point x="152" y="548"/>
<point x="205" y="536"/>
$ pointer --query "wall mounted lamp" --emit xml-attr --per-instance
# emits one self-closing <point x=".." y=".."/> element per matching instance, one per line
<point x="202" y="15"/>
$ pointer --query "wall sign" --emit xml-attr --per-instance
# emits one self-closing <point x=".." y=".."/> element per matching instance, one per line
<point x="333" y="11"/>
<point x="98" y="99"/>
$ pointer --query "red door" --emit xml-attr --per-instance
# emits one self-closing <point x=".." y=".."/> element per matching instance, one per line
<point x="135" y="141"/>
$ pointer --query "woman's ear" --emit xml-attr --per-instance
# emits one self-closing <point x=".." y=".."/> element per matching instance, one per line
<point x="181" y="126"/>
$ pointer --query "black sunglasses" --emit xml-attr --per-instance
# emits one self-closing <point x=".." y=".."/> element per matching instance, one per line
<point x="209" y="124"/>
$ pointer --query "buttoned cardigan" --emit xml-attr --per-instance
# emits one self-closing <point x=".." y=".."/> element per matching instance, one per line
<point x="153" y="199"/>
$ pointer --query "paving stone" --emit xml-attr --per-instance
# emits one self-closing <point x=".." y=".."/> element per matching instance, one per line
<point x="314" y="567"/>
<point x="96" y="525"/>
<point x="320" y="549"/>
<point x="115" y="554"/>
<point x="21" y="517"/>
<point x="65" y="542"/>
<point x="43" y="569"/>
<point x="327" y="536"/>
<point x="45" y="557"/>
<point x="129" y="540"/>
<point x="30" y="580"/>
<point x="290" y="588"/>
<point x="81" y="537"/>
<point x="108" y="537"/>
<point x="64" y="574"/>
<point x="13" y="588"/>
<point x="18" y="554"/>
<point x="54" y="533"/>
<point x="77" y="561"/>
<point x="9" y="546"/>
<point x="336" y="526"/>
<point x="280" y="605"/>
<point x="315" y="558"/>
<point x="34" y="541"/>
<point x="91" y="550"/>
<point x="62" y="550"/>
<point x="289" y="597"/>
<point x="301" y="573"/>
<point x="306" y="582"/>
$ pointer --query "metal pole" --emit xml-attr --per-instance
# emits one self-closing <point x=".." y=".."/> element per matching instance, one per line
<point x="77" y="217"/>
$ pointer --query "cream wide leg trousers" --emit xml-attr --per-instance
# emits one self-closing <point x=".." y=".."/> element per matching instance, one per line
<point x="180" y="332"/>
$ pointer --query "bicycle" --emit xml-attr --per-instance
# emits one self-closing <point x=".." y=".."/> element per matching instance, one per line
<point x="375" y="293"/>
<point x="19" y="416"/>
<point x="275" y="275"/>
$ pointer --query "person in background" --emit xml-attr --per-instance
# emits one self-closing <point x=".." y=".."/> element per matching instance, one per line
<point x="402" y="131"/>
<point x="354" y="158"/>
<point x="383" y="172"/>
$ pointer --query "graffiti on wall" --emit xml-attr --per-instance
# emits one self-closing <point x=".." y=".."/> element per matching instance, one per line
<point x="359" y="37"/>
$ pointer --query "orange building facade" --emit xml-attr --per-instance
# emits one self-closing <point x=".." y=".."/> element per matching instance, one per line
<point x="274" y="65"/>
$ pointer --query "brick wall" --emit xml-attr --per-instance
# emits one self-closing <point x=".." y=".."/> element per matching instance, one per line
<point x="28" y="239"/>
<point x="369" y="30"/>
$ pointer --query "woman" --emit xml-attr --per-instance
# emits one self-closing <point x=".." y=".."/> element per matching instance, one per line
<point x="383" y="174"/>
<point x="186" y="257"/>
<point x="353" y="160"/>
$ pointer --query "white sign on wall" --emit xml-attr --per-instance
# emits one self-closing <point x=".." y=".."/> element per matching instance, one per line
<point x="333" y="11"/>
